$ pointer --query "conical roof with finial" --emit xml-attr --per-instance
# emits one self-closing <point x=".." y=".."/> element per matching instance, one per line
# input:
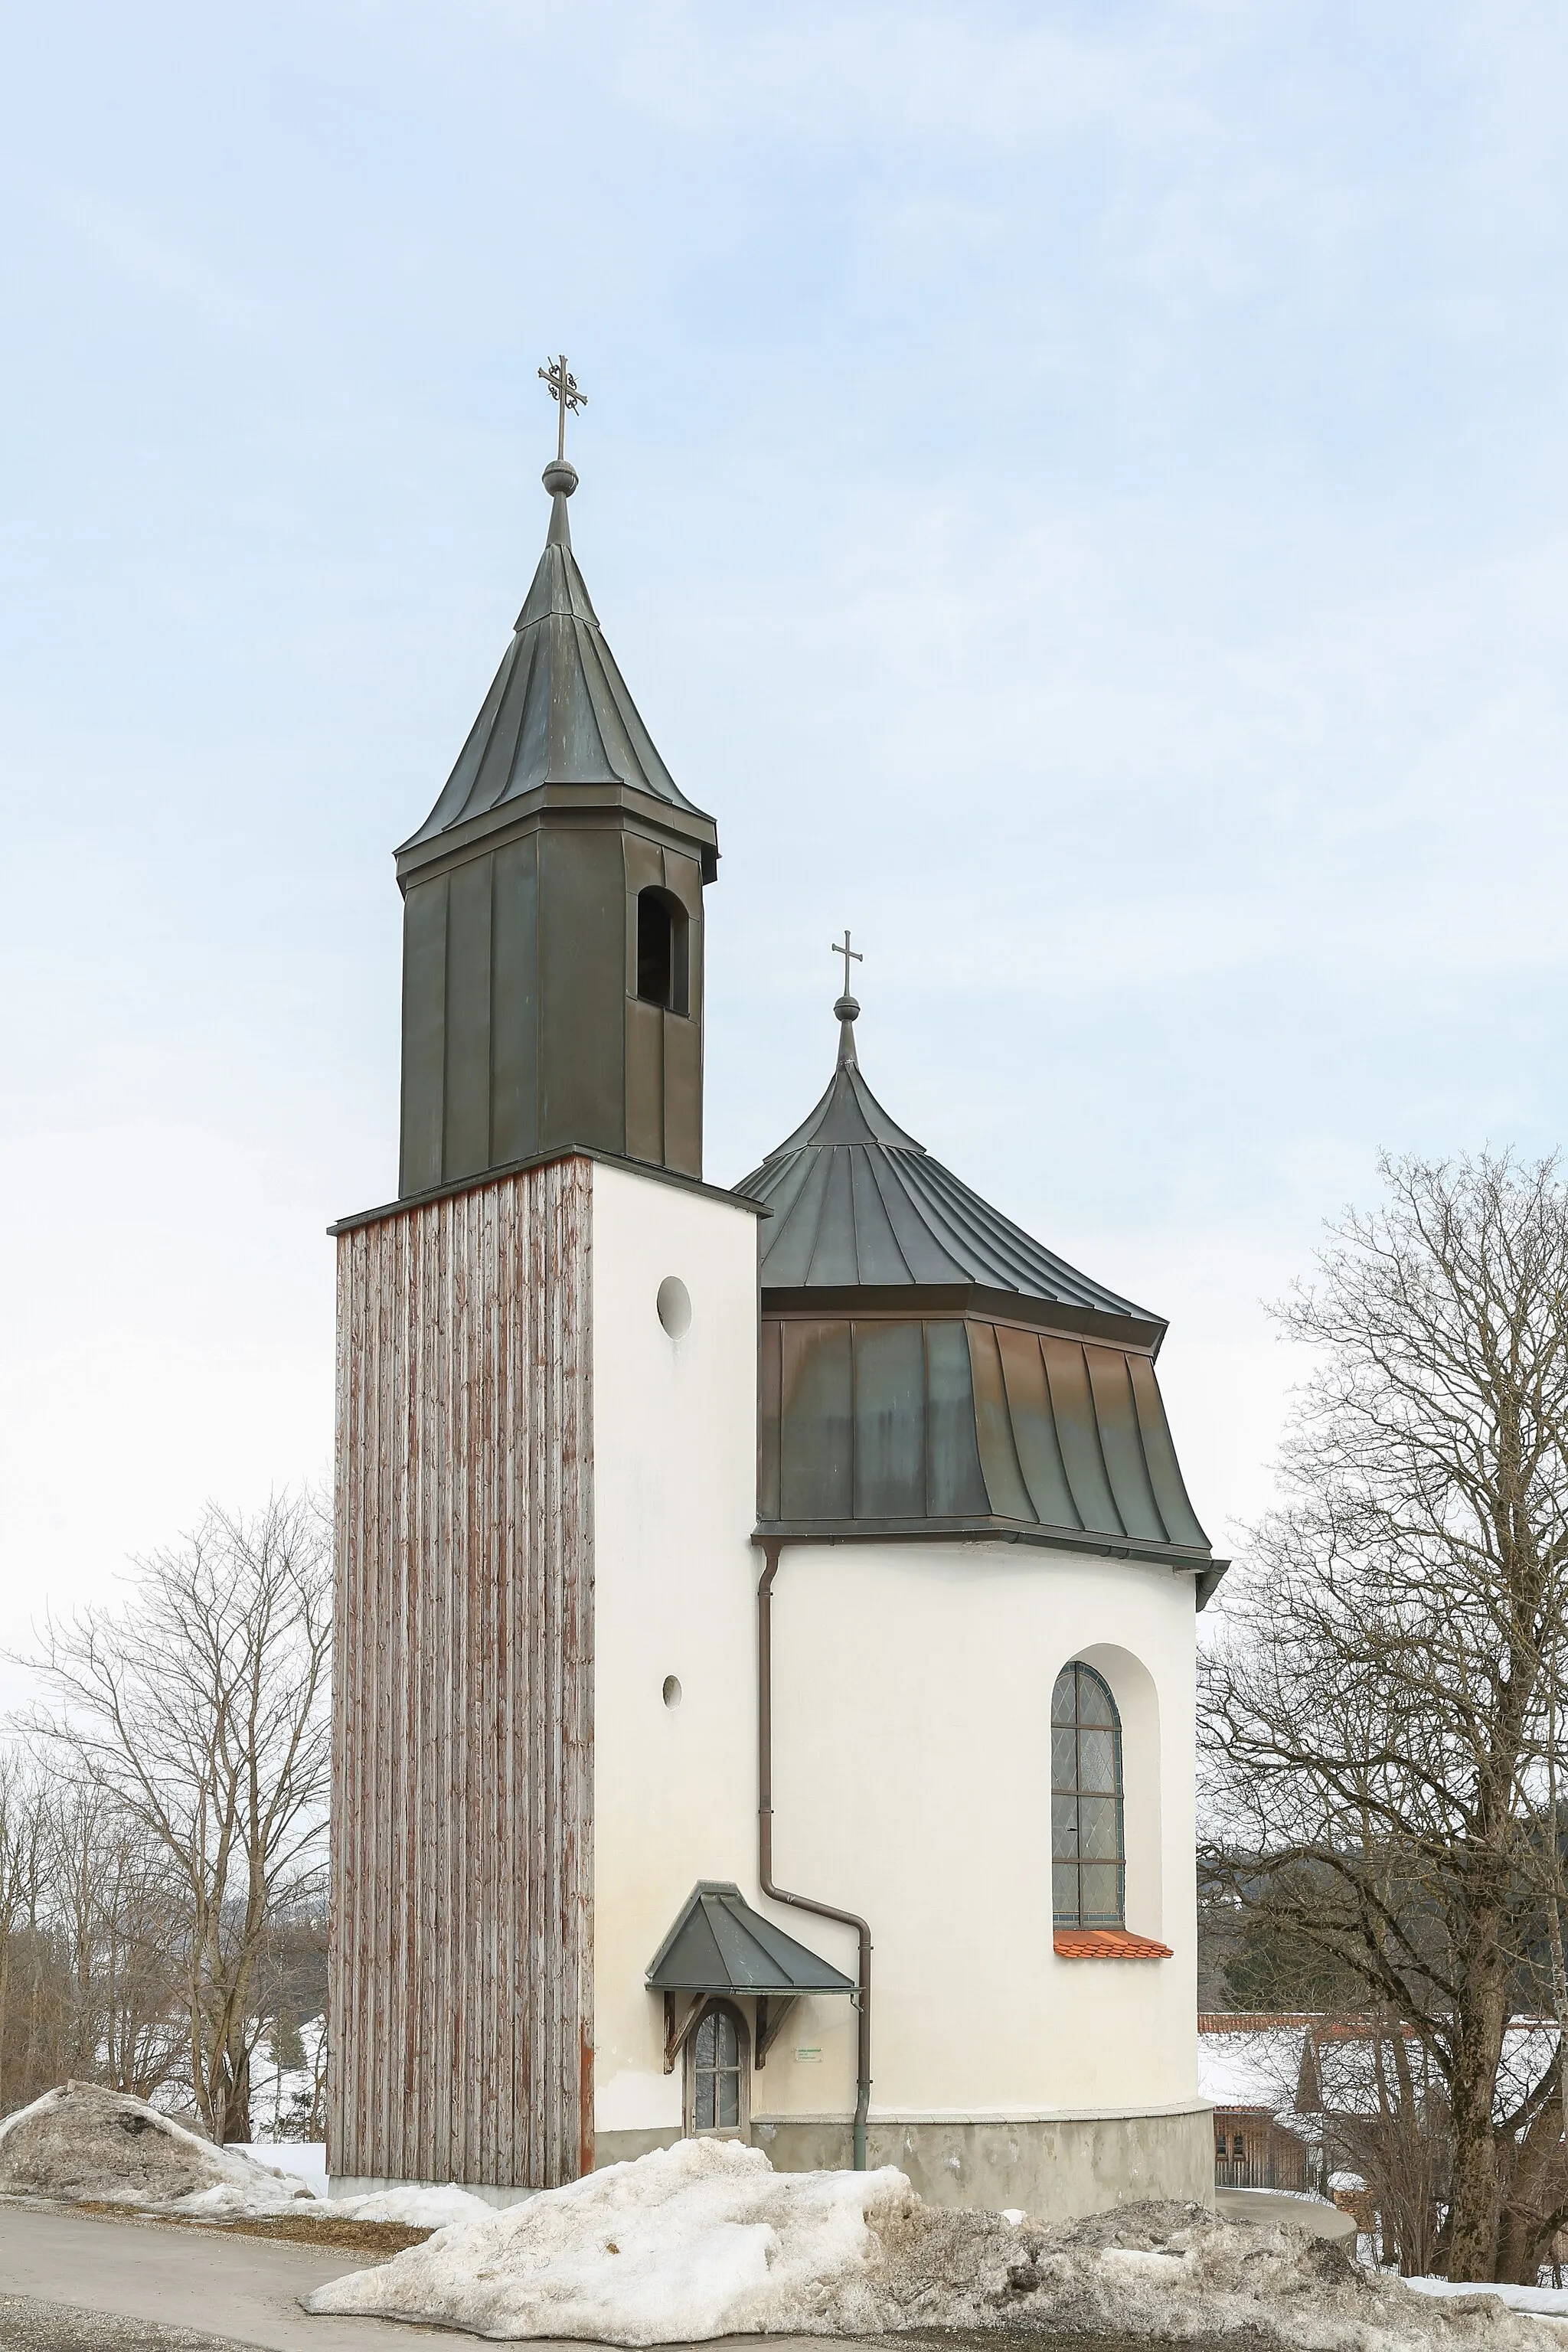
<point x="558" y="711"/>
<point x="855" y="1202"/>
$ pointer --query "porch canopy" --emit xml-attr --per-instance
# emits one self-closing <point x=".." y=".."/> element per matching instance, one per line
<point x="720" y="1945"/>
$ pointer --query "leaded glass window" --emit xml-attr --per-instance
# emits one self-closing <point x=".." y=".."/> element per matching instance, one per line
<point x="1087" y="1856"/>
<point x="716" y="2072"/>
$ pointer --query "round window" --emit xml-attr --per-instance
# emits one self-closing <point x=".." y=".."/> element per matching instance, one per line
<point x="673" y="1690"/>
<point x="674" y="1307"/>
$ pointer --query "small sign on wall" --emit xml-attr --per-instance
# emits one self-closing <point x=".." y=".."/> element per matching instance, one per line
<point x="808" y="2057"/>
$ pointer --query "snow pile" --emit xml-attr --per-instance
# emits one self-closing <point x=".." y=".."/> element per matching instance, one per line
<point x="416" y="2208"/>
<point x="706" y="2240"/>
<point x="84" y="2143"/>
<point x="1550" y="2300"/>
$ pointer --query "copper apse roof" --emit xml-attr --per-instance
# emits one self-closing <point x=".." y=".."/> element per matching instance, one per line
<point x="928" y="1369"/>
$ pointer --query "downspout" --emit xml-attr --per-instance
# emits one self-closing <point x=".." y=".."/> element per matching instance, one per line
<point x="770" y="1549"/>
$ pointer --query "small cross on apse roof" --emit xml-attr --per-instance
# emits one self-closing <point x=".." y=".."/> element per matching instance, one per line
<point x="851" y="955"/>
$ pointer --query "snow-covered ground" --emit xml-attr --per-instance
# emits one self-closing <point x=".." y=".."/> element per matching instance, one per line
<point x="1551" y="2301"/>
<point x="706" y="2240"/>
<point x="286" y="2102"/>
<point x="305" y="2160"/>
<point x="84" y="2143"/>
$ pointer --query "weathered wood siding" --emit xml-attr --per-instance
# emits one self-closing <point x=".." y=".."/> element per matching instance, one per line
<point x="461" y="1966"/>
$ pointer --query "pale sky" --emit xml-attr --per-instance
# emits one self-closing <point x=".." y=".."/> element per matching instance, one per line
<point x="1078" y="493"/>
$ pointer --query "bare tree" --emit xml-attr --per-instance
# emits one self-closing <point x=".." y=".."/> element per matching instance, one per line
<point x="118" y="1909"/>
<point x="199" y="1714"/>
<point x="1379" y="1712"/>
<point x="25" y="1956"/>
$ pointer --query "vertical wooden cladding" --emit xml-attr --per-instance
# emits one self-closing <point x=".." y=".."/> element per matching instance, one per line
<point x="462" y="1977"/>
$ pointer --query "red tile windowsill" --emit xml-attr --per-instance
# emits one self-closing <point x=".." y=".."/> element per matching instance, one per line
<point x="1107" y="1944"/>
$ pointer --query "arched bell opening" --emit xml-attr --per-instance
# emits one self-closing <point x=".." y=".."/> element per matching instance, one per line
<point x="663" y="950"/>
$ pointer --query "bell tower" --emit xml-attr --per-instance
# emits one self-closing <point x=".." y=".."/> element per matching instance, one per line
<point x="546" y="1428"/>
<point x="553" y="915"/>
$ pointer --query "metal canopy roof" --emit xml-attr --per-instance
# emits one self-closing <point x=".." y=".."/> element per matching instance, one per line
<point x="720" y="1945"/>
<point x="558" y="711"/>
<point x="855" y="1202"/>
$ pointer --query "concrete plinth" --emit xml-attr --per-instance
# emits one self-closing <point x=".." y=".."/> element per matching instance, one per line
<point x="1053" y="2168"/>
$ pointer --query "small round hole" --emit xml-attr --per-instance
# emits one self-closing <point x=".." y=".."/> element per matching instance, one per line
<point x="674" y="1307"/>
<point x="673" y="1690"/>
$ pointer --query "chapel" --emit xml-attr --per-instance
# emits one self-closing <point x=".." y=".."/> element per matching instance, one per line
<point x="766" y="1613"/>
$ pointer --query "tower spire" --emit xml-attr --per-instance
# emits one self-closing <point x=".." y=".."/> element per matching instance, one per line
<point x="552" y="909"/>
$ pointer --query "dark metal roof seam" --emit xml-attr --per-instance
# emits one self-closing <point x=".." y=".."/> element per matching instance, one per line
<point x="605" y="708"/>
<point x="1074" y="1440"/>
<point x="1048" y="1423"/>
<point x="506" y="759"/>
<point x="452" y="801"/>
<point x="831" y="1162"/>
<point x="1030" y="1255"/>
<point x="1143" y="1451"/>
<point x="973" y="1331"/>
<point x="943" y="1231"/>
<point x="1025" y="1250"/>
<point x="871" y="1171"/>
<point x="966" y="1230"/>
<point x="1100" y="1443"/>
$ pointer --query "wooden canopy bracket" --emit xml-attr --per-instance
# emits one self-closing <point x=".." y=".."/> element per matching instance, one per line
<point x="770" y="2015"/>
<point x="676" y="2039"/>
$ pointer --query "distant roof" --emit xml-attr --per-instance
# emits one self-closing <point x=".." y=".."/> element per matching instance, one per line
<point x="718" y="1944"/>
<point x="1247" y="2062"/>
<point x="855" y="1200"/>
<point x="558" y="711"/>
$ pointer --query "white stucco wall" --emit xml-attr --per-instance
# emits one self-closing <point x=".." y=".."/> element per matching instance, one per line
<point x="911" y="1712"/>
<point x="674" y="1487"/>
<point x="911" y="1782"/>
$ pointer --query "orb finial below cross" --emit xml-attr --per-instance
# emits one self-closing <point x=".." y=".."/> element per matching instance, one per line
<point x="563" y="392"/>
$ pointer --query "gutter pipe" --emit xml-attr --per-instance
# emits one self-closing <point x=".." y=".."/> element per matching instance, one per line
<point x="771" y="1546"/>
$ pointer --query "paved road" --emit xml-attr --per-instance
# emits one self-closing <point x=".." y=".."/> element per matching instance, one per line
<point x="204" y="2287"/>
<point x="27" y="2326"/>
<point x="1261" y="2205"/>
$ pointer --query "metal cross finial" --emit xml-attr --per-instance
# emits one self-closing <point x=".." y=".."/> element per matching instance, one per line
<point x="564" y="393"/>
<point x="851" y="955"/>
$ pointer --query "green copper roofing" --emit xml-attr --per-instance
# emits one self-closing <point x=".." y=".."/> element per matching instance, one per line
<point x="855" y="1202"/>
<point x="558" y="711"/>
<point x="720" y="1945"/>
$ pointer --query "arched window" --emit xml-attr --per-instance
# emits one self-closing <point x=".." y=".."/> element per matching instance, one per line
<point x="662" y="950"/>
<point x="719" y="2079"/>
<point x="1088" y="1857"/>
